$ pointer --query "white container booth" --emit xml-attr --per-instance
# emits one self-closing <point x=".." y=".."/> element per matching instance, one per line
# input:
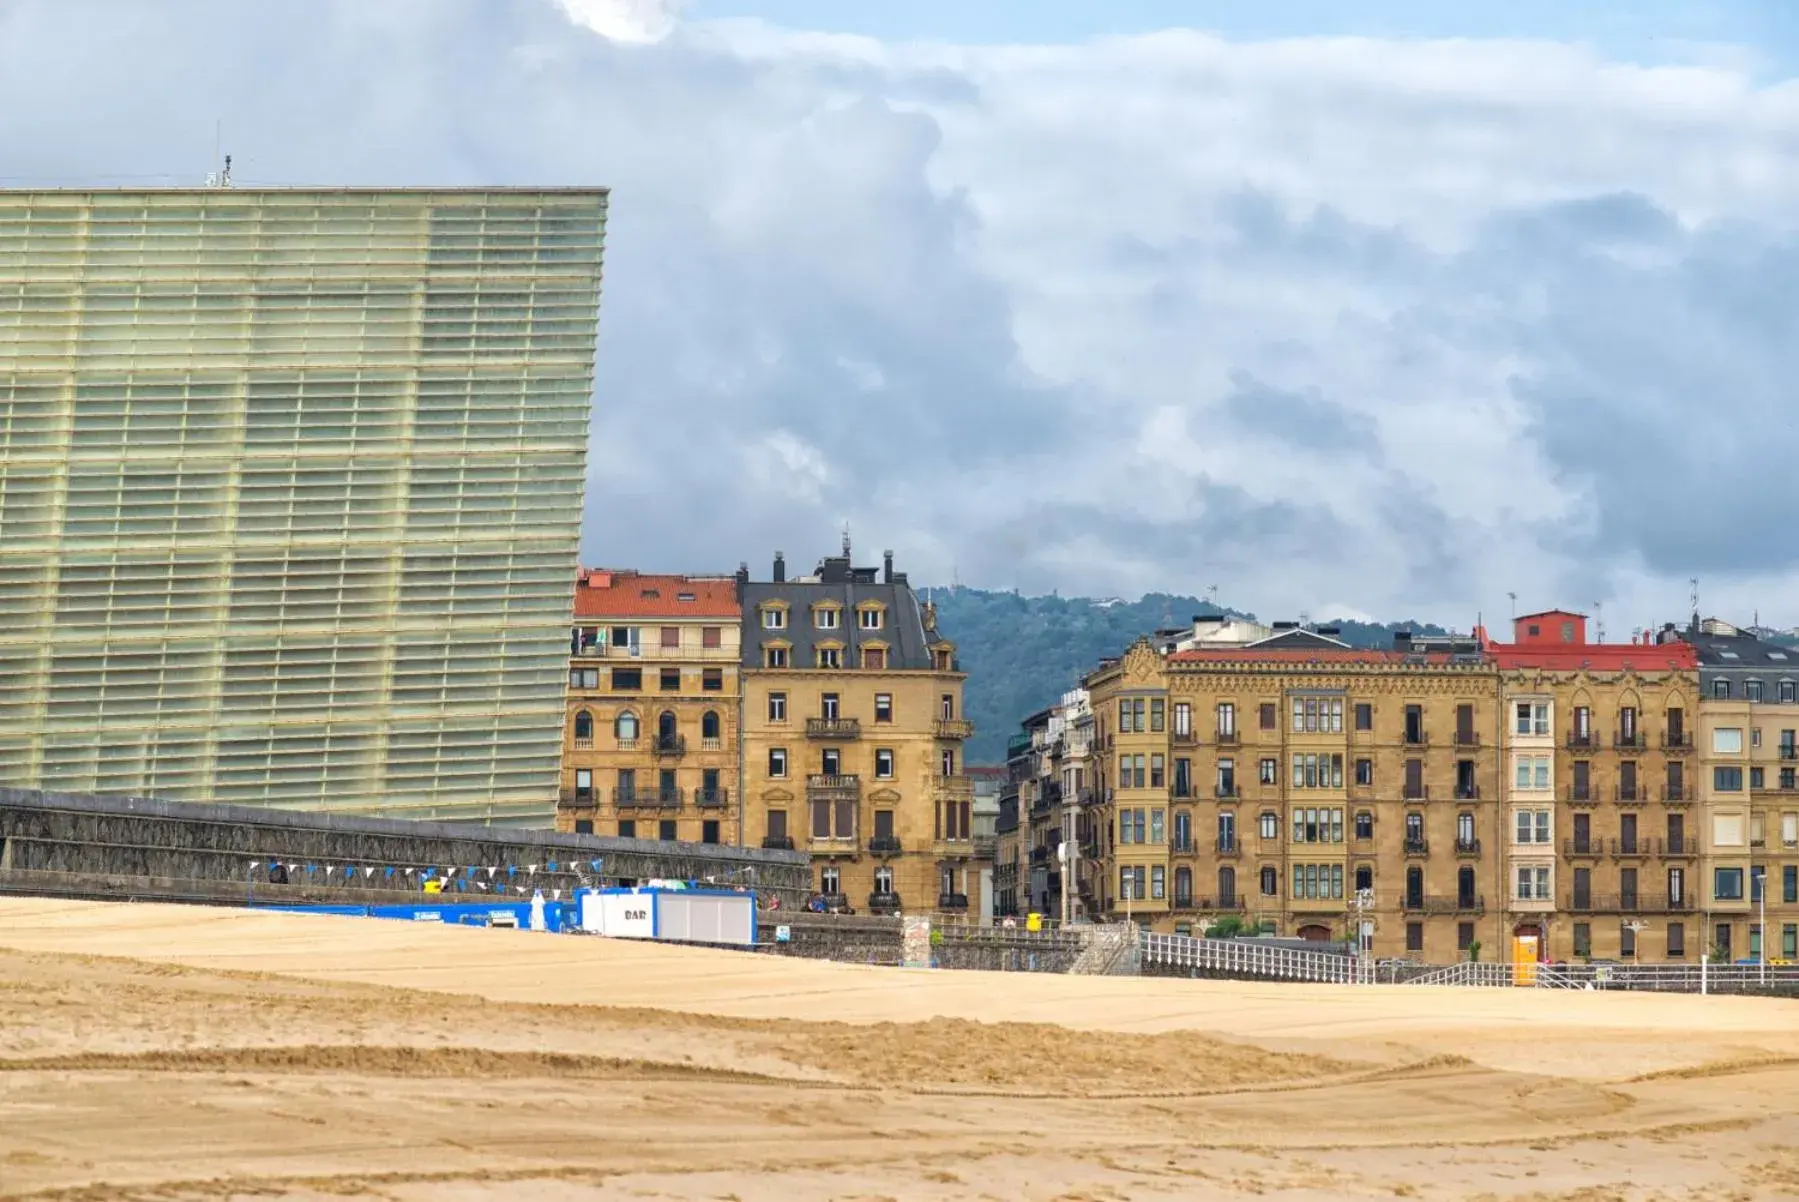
<point x="720" y="916"/>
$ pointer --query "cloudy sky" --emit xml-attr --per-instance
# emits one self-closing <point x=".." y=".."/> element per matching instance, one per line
<point x="1388" y="315"/>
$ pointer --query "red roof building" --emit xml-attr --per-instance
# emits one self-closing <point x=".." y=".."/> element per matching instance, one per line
<point x="1557" y="639"/>
<point x="605" y="593"/>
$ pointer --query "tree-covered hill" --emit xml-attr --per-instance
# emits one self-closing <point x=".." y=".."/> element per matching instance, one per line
<point x="1022" y="653"/>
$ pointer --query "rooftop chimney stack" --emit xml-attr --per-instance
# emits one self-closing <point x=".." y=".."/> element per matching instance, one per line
<point x="886" y="567"/>
<point x="780" y="568"/>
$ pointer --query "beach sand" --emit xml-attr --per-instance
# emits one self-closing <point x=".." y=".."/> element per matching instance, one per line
<point x="170" y="1052"/>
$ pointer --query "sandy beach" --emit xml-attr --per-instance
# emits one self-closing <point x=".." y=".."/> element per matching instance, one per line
<point x="172" y="1052"/>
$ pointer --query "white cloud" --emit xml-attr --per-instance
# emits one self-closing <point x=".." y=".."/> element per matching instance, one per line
<point x="630" y="21"/>
<point x="1408" y="324"/>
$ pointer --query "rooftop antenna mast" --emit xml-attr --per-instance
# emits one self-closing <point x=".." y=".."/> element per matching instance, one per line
<point x="846" y="540"/>
<point x="1693" y="597"/>
<point x="1599" y="621"/>
<point x="1514" y="600"/>
<point x="1212" y="595"/>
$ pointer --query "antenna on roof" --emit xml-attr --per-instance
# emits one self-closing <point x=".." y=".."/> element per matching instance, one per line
<point x="1693" y="596"/>
<point x="1514" y="599"/>
<point x="1212" y="595"/>
<point x="1599" y="621"/>
<point x="846" y="540"/>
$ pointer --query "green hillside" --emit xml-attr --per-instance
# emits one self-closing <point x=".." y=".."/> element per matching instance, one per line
<point x="1022" y="653"/>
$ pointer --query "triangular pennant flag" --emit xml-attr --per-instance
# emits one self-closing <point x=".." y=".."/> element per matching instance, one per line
<point x="482" y="885"/>
<point x="450" y="872"/>
<point x="555" y="895"/>
<point x="254" y="863"/>
<point x="531" y="868"/>
<point x="368" y="872"/>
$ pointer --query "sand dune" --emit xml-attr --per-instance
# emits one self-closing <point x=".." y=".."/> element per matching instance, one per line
<point x="170" y="1052"/>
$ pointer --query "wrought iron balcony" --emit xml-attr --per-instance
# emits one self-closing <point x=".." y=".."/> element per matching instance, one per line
<point x="1415" y="792"/>
<point x="1467" y="738"/>
<point x="1582" y="740"/>
<point x="1417" y="847"/>
<point x="1630" y="794"/>
<point x="1622" y="848"/>
<point x="1680" y="740"/>
<point x="1467" y="846"/>
<point x="883" y="903"/>
<point x="884" y="845"/>
<point x="954" y="728"/>
<point x="1467" y="792"/>
<point x="777" y="843"/>
<point x="1227" y="848"/>
<point x="1229" y="738"/>
<point x="1675" y="795"/>
<point x="712" y="799"/>
<point x="1628" y="903"/>
<point x="578" y="799"/>
<point x="670" y="747"/>
<point x="1591" y="845"/>
<point x="837" y="729"/>
<point x="952" y="902"/>
<point x="1629" y="740"/>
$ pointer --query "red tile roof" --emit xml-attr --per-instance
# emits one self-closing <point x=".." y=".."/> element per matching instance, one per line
<point x="1600" y="657"/>
<point x="604" y="594"/>
<point x="1302" y="655"/>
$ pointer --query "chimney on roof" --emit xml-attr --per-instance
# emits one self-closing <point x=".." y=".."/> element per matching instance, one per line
<point x="886" y="567"/>
<point x="1402" y="640"/>
<point x="780" y="576"/>
<point x="743" y="575"/>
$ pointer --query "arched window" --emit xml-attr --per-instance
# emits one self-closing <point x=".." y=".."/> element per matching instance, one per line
<point x="1464" y="887"/>
<point x="624" y="727"/>
<point x="1227" y="886"/>
<point x="584" y="728"/>
<point x="1271" y="881"/>
<point x="709" y="725"/>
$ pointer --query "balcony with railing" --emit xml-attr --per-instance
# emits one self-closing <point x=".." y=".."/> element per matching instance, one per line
<point x="1675" y="795"/>
<point x="1228" y="904"/>
<point x="1467" y="738"/>
<point x="1230" y="738"/>
<point x="823" y="787"/>
<point x="952" y="903"/>
<point x="884" y="845"/>
<point x="1185" y="738"/>
<point x="1417" y="846"/>
<point x="1467" y="792"/>
<point x="777" y="842"/>
<point x="1467" y="846"/>
<point x="1629" y="740"/>
<point x="669" y="747"/>
<point x="955" y="728"/>
<point x="1677" y="849"/>
<point x="1583" y="795"/>
<point x="1227" y="849"/>
<point x="1628" y="903"/>
<point x="960" y="788"/>
<point x="1230" y="792"/>
<point x="578" y="799"/>
<point x="1472" y="903"/>
<point x="1582" y="740"/>
<point x="985" y="846"/>
<point x="1039" y="856"/>
<point x="1677" y="741"/>
<point x="712" y="799"/>
<point x="1587" y="845"/>
<point x="834" y="729"/>
<point x="1630" y="794"/>
<point x="1414" y="791"/>
<point x="884" y="903"/>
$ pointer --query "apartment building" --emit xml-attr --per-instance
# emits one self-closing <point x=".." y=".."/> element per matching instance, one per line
<point x="1285" y="779"/>
<point x="1601" y="843"/>
<point x="289" y="492"/>
<point x="650" y="746"/>
<point x="852" y="736"/>
<point x="1749" y="786"/>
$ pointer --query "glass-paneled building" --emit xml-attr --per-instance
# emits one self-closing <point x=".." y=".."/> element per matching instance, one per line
<point x="290" y="493"/>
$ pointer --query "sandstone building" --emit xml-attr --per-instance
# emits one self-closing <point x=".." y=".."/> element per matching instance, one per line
<point x="650" y="746"/>
<point x="853" y="734"/>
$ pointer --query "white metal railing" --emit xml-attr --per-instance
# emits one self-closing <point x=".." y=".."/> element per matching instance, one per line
<point x="1243" y="958"/>
<point x="1478" y="975"/>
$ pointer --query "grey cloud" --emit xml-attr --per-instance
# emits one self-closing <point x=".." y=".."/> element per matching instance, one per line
<point x="1305" y="419"/>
